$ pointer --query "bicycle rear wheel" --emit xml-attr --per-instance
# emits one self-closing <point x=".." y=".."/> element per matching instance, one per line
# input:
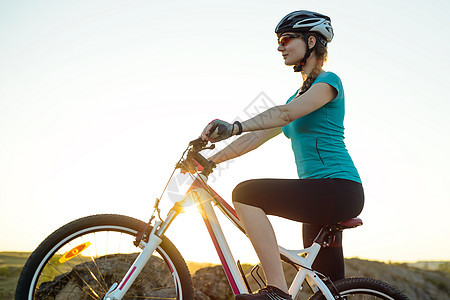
<point x="82" y="260"/>
<point x="360" y="288"/>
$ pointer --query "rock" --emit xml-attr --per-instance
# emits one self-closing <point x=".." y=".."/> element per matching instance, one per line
<point x="213" y="282"/>
<point x="198" y="295"/>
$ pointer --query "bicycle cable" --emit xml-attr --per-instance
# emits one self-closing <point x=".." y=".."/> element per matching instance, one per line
<point x="156" y="206"/>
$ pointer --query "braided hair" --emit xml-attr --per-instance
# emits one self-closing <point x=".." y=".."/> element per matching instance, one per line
<point x="321" y="54"/>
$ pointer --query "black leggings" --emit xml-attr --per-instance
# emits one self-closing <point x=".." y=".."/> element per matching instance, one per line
<point x="315" y="202"/>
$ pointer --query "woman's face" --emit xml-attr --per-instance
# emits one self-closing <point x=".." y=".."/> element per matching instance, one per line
<point x="292" y="49"/>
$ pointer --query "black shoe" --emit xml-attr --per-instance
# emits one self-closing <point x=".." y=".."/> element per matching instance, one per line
<point x="267" y="293"/>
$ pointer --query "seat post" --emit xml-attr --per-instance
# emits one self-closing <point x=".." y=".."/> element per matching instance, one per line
<point x="326" y="235"/>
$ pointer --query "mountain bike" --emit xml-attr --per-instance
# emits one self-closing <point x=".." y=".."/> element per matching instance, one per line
<point x="114" y="257"/>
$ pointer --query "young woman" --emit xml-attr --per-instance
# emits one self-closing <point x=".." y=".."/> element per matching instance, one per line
<point x="329" y="188"/>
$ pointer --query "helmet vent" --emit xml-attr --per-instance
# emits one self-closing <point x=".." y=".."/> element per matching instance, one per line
<point x="310" y="21"/>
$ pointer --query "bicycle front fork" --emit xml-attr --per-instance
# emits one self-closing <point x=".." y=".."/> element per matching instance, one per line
<point x="118" y="291"/>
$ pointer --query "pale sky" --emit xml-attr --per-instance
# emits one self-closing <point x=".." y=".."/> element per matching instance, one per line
<point x="98" y="99"/>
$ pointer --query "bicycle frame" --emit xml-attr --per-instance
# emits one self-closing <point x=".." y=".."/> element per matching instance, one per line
<point x="204" y="197"/>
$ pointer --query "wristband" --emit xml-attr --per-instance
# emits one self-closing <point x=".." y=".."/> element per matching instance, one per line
<point x="239" y="127"/>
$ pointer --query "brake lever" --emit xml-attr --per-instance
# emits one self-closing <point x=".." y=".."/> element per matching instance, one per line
<point x="198" y="143"/>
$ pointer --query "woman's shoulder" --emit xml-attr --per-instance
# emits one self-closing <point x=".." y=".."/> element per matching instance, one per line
<point x="333" y="80"/>
<point x="326" y="76"/>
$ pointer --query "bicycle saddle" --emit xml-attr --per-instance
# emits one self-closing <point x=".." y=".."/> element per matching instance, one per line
<point x="350" y="223"/>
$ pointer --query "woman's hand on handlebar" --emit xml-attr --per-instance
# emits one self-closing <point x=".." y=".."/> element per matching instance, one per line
<point x="217" y="130"/>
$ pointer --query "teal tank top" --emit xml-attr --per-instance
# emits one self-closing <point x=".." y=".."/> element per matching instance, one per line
<point x="318" y="138"/>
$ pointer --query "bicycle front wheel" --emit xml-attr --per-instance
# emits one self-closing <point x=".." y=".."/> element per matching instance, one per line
<point x="359" y="288"/>
<point x="84" y="258"/>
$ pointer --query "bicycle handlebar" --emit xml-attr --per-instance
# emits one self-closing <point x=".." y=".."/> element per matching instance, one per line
<point x="193" y="155"/>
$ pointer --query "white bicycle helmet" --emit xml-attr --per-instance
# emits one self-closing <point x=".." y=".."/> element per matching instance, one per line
<point x="304" y="21"/>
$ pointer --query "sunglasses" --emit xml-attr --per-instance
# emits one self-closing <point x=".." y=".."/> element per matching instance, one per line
<point x="286" y="39"/>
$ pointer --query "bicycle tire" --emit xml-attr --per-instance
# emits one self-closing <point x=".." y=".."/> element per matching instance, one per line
<point x="52" y="273"/>
<point x="364" y="288"/>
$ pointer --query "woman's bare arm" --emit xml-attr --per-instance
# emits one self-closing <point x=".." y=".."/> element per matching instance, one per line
<point x="317" y="96"/>
<point x="244" y="144"/>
